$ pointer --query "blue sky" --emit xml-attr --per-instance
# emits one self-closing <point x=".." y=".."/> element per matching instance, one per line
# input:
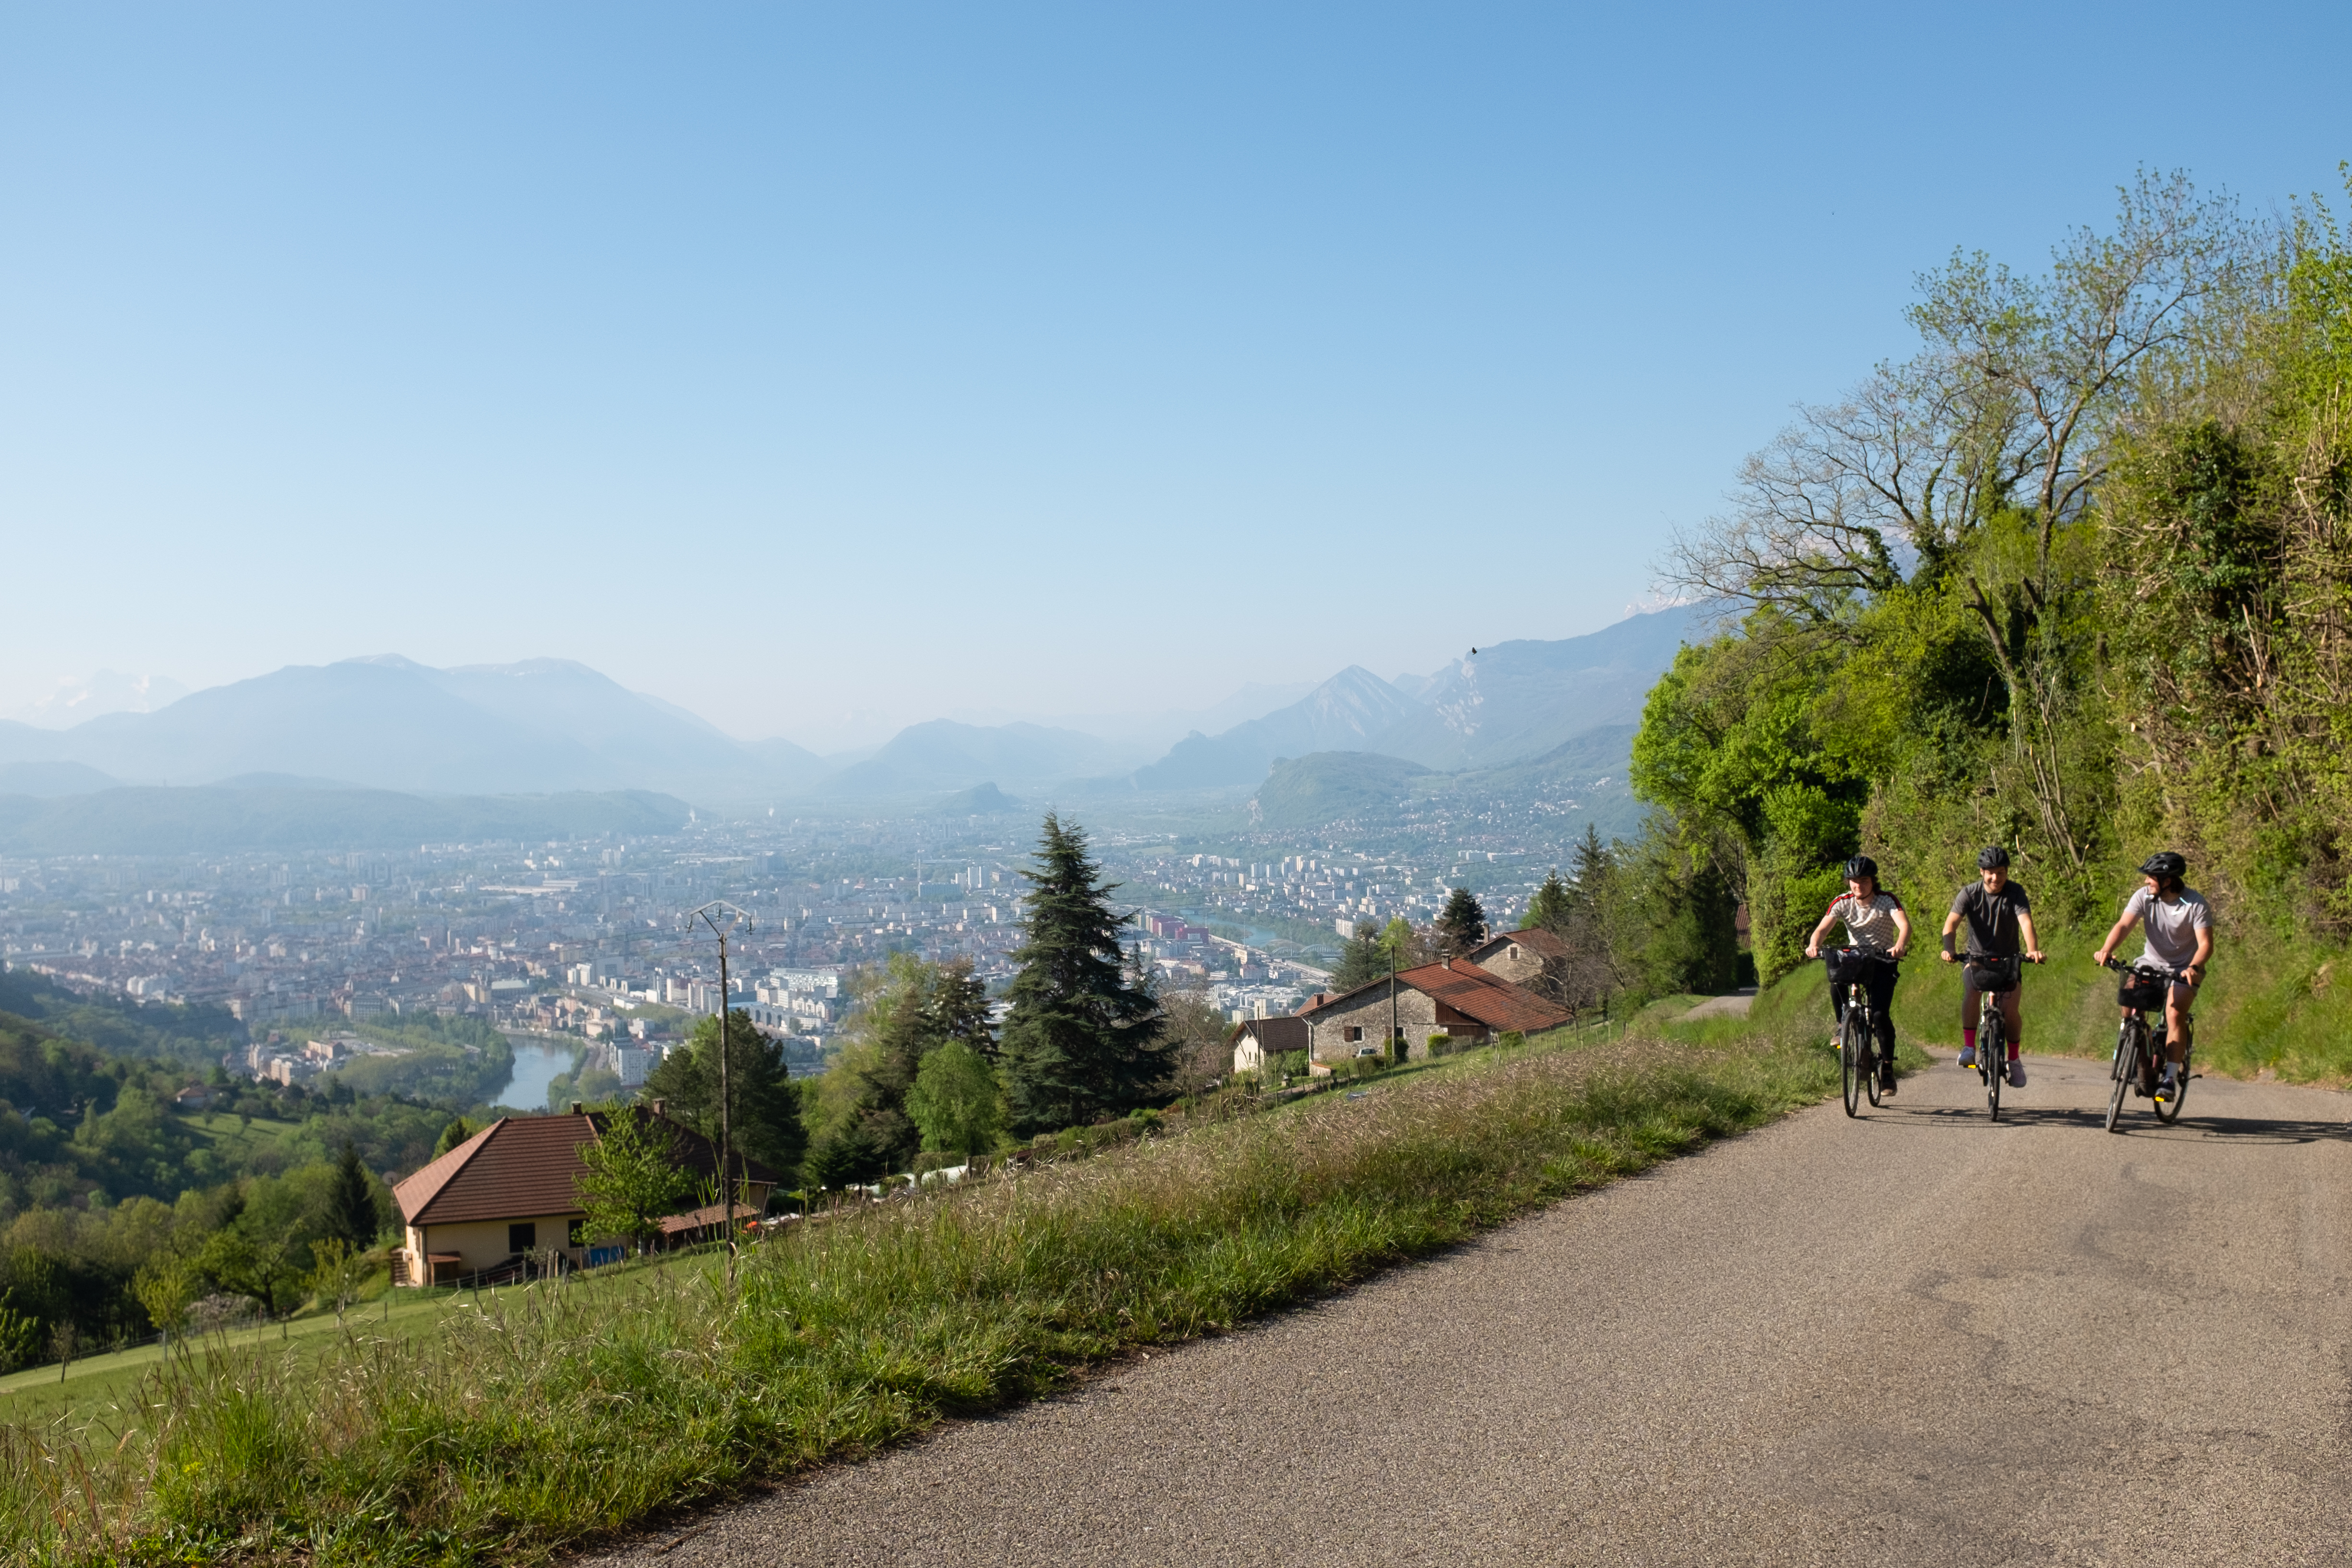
<point x="791" y="361"/>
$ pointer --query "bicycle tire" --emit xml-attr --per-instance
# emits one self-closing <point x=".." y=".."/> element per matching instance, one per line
<point x="2169" y="1110"/>
<point x="1994" y="1059"/>
<point x="2126" y="1068"/>
<point x="1869" y="1062"/>
<point x="1849" y="1055"/>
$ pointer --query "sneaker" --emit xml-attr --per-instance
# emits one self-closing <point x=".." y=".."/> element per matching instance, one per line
<point x="2016" y="1073"/>
<point x="1968" y="1055"/>
<point x="1886" y="1081"/>
<point x="2164" y="1084"/>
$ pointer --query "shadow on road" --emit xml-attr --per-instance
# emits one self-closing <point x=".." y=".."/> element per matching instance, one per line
<point x="2251" y="1130"/>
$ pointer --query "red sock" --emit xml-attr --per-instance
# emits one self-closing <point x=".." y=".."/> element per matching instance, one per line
<point x="2012" y="1050"/>
<point x="1969" y="1036"/>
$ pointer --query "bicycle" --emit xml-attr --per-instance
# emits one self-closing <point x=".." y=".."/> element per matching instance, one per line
<point x="1858" y="1058"/>
<point x="1993" y="978"/>
<point x="2140" y="1046"/>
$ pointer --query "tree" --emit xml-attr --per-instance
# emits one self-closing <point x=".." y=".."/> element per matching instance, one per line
<point x="19" y="1332"/>
<point x="166" y="1288"/>
<point x="456" y="1132"/>
<point x="956" y="1101"/>
<point x="258" y="1267"/>
<point x="1363" y="959"/>
<point x="336" y="1269"/>
<point x="351" y="1202"/>
<point x="956" y="1008"/>
<point x="1412" y="946"/>
<point x="908" y="1011"/>
<point x="1196" y="1033"/>
<point x="765" y="1115"/>
<point x="1552" y="906"/>
<point x="1083" y="1041"/>
<point x="1463" y="926"/>
<point x="633" y="1177"/>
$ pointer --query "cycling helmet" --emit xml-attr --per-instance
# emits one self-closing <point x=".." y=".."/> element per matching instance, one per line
<point x="2164" y="863"/>
<point x="1991" y="858"/>
<point x="1861" y="865"/>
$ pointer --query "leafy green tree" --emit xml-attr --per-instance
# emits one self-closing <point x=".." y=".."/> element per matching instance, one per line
<point x="632" y="1179"/>
<point x="910" y="1009"/>
<point x="456" y="1132"/>
<point x="258" y="1266"/>
<point x="1463" y="926"/>
<point x="1083" y="1040"/>
<point x="765" y="1112"/>
<point x="351" y="1202"/>
<point x="336" y="1270"/>
<point x="956" y="1101"/>
<point x="167" y="1287"/>
<point x="19" y="1332"/>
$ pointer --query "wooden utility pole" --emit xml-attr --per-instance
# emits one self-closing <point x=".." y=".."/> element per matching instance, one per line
<point x="723" y="918"/>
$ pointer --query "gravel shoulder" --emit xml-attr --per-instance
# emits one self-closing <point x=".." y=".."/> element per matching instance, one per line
<point x="1917" y="1337"/>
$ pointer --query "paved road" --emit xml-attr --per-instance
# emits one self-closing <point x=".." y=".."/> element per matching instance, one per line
<point x="1917" y="1339"/>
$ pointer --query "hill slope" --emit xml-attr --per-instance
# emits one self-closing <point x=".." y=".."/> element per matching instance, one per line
<point x="1340" y="715"/>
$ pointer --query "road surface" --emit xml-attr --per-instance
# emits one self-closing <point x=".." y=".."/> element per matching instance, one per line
<point x="1915" y="1338"/>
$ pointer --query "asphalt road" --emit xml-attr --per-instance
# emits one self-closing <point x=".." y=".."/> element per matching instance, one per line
<point x="1917" y="1338"/>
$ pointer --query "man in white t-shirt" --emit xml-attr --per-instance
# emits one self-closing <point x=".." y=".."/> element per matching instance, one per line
<point x="1876" y="923"/>
<point x="2179" y="927"/>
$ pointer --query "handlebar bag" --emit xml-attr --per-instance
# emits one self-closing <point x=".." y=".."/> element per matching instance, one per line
<point x="2142" y="992"/>
<point x="1846" y="966"/>
<point x="1993" y="973"/>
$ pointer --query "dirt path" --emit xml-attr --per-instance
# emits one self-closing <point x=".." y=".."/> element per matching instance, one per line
<point x="1918" y="1338"/>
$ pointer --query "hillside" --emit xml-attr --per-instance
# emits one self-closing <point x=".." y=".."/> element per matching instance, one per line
<point x="1332" y="786"/>
<point x="1343" y="714"/>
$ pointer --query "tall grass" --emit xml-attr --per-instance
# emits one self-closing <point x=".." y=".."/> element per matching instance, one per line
<point x="559" y="1414"/>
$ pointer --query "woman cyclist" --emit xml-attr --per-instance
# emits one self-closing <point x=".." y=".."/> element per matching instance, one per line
<point x="2179" y="927"/>
<point x="1876" y="923"/>
<point x="1998" y="913"/>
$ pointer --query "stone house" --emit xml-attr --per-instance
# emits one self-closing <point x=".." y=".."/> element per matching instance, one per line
<point x="1454" y="996"/>
<point x="1257" y="1043"/>
<point x="509" y="1194"/>
<point x="1520" y="956"/>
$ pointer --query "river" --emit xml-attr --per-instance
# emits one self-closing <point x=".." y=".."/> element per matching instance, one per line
<point x="537" y="1064"/>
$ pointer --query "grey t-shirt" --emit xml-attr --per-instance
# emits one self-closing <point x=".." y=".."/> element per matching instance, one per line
<point x="1991" y="918"/>
<point x="2173" y="927"/>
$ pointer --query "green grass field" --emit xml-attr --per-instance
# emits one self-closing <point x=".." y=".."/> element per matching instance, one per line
<point x="553" y="1415"/>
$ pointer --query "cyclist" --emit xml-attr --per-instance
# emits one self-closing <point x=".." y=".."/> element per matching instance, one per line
<point x="2179" y="927"/>
<point x="1999" y="914"/>
<point x="1876" y="923"/>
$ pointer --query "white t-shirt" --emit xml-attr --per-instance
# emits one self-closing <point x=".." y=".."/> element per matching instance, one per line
<point x="1870" y="926"/>
<point x="2173" y="927"/>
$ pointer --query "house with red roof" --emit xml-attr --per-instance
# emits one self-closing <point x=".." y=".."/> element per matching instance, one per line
<point x="1455" y="997"/>
<point x="509" y="1196"/>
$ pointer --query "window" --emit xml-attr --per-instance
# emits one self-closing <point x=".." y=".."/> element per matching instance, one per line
<point x="523" y="1238"/>
<point x="1352" y="1033"/>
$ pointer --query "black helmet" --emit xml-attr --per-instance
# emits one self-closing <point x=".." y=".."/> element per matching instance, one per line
<point x="1861" y="865"/>
<point x="2164" y="864"/>
<point x="1991" y="858"/>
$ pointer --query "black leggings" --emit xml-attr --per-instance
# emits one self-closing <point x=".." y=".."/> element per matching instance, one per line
<point x="1877" y="983"/>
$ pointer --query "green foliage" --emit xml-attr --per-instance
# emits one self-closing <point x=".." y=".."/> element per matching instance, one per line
<point x="166" y="1287"/>
<point x="905" y="1013"/>
<point x="956" y="1101"/>
<point x="19" y="1332"/>
<point x="1083" y="1039"/>
<point x="352" y="1217"/>
<point x="1462" y="925"/>
<point x="456" y="1132"/>
<point x="764" y="1108"/>
<point x="1553" y="907"/>
<point x="633" y="1177"/>
<point x="1363" y="959"/>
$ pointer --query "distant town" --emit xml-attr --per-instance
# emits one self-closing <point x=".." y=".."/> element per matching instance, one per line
<point x="579" y="947"/>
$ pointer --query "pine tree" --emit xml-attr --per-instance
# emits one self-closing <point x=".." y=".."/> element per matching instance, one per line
<point x="1592" y="866"/>
<point x="351" y="1202"/>
<point x="1463" y="926"/>
<point x="958" y="1009"/>
<point x="1362" y="960"/>
<point x="1083" y="1040"/>
<point x="763" y="1112"/>
<point x="1551" y="908"/>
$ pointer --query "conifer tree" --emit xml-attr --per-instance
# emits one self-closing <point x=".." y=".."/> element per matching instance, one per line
<point x="1362" y="960"/>
<point x="1084" y="1039"/>
<point x="1551" y="908"/>
<point x="351" y="1202"/>
<point x="1463" y="926"/>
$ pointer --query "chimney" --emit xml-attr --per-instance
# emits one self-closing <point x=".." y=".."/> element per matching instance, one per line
<point x="660" y="1106"/>
<point x="577" y="1108"/>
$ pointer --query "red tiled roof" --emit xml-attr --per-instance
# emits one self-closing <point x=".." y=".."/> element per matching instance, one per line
<point x="523" y="1167"/>
<point x="1535" y="938"/>
<point x="1285" y="1033"/>
<point x="1485" y="998"/>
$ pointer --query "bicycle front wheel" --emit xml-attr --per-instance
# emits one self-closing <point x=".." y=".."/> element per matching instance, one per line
<point x="2169" y="1110"/>
<point x="1870" y="1064"/>
<point x="2127" y="1069"/>
<point x="1992" y="1054"/>
<point x="1850" y="1062"/>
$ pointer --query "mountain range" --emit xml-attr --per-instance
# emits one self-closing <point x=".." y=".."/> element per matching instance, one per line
<point x="553" y="726"/>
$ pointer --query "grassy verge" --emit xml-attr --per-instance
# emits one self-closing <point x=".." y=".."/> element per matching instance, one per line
<point x="558" y="1415"/>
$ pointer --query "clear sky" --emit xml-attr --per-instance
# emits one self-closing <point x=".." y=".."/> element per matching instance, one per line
<point x="789" y="360"/>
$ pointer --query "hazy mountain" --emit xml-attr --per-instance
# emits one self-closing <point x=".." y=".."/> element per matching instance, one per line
<point x="150" y="821"/>
<point x="390" y="723"/>
<point x="108" y="691"/>
<point x="979" y="800"/>
<point x="794" y="768"/>
<point x="946" y="755"/>
<point x="1519" y="699"/>
<point x="1580" y="781"/>
<point x="48" y="779"/>
<point x="1329" y="786"/>
<point x="1343" y="714"/>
